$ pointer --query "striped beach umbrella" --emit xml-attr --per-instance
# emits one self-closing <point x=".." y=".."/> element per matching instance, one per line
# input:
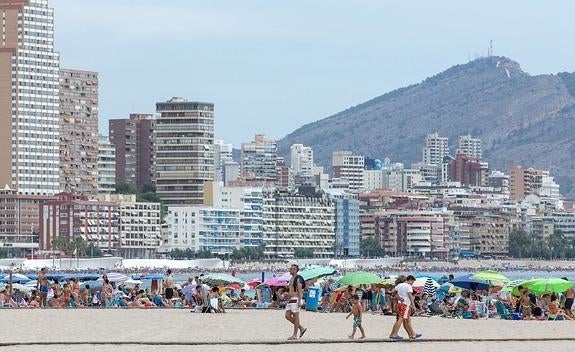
<point x="429" y="288"/>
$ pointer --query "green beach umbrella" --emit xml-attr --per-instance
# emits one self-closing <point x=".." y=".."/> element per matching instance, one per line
<point x="493" y="277"/>
<point x="360" y="278"/>
<point x="511" y="287"/>
<point x="314" y="273"/>
<point x="551" y="285"/>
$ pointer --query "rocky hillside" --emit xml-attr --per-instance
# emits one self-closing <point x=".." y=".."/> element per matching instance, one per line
<point x="521" y="119"/>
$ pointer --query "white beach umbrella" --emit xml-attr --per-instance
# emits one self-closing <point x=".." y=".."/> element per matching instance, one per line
<point x="115" y="277"/>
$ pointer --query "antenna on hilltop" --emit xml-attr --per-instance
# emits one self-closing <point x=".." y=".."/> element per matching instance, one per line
<point x="490" y="50"/>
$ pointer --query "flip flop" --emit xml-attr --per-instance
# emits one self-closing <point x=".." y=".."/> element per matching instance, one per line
<point x="396" y="338"/>
<point x="416" y="336"/>
<point x="303" y="332"/>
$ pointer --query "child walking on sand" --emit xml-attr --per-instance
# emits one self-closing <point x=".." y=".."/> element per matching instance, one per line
<point x="356" y="310"/>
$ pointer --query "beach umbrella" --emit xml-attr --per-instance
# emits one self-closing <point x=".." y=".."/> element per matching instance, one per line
<point x="220" y="279"/>
<point x="254" y="282"/>
<point x="318" y="272"/>
<point x="551" y="285"/>
<point x="493" y="277"/>
<point x="467" y="282"/>
<point x="511" y="287"/>
<point x="421" y="281"/>
<point x="360" y="278"/>
<point x="429" y="288"/>
<point x="275" y="282"/>
<point x="16" y="278"/>
<point x="115" y="277"/>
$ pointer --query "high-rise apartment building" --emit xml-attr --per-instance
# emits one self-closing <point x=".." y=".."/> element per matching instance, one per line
<point x="301" y="221"/>
<point x="132" y="140"/>
<point x="106" y="166"/>
<point x="223" y="152"/>
<point x="436" y="148"/>
<point x="349" y="167"/>
<point x="183" y="150"/>
<point x="79" y="131"/>
<point x="258" y="159"/>
<point x="301" y="159"/>
<point x="523" y="181"/>
<point x="469" y="146"/>
<point x="29" y="107"/>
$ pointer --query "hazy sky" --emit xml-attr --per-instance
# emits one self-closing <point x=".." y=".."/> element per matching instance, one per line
<point x="272" y="66"/>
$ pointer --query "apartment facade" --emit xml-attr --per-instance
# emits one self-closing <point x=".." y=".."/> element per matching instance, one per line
<point x="19" y="222"/>
<point x="71" y="215"/>
<point x="183" y="150"/>
<point x="106" y="166"/>
<point x="469" y="146"/>
<point x="348" y="166"/>
<point x="79" y="131"/>
<point x="133" y="144"/>
<point x="301" y="159"/>
<point x="140" y="225"/>
<point x="259" y="159"/>
<point x="29" y="100"/>
<point x="298" y="220"/>
<point x="436" y="148"/>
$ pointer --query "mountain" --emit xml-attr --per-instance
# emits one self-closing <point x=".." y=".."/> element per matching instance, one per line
<point x="521" y="119"/>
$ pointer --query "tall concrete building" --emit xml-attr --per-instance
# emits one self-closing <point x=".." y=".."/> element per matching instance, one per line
<point x="301" y="159"/>
<point x="469" y="146"/>
<point x="349" y="167"/>
<point x="223" y="153"/>
<point x="29" y="108"/>
<point x="132" y="140"/>
<point x="106" y="166"/>
<point x="183" y="150"/>
<point x="436" y="148"/>
<point x="259" y="159"/>
<point x="523" y="181"/>
<point x="79" y="131"/>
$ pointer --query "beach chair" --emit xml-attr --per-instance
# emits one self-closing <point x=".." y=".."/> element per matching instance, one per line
<point x="502" y="311"/>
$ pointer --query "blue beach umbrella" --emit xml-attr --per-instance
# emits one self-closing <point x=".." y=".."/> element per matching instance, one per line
<point x="469" y="283"/>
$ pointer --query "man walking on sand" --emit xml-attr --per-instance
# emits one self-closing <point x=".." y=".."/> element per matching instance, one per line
<point x="295" y="292"/>
<point x="405" y="305"/>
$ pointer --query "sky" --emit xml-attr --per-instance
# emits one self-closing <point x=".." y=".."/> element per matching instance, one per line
<point x="271" y="66"/>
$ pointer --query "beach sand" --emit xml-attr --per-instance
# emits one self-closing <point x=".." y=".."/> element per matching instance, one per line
<point x="160" y="329"/>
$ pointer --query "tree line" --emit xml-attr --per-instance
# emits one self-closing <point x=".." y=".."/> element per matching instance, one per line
<point x="556" y="246"/>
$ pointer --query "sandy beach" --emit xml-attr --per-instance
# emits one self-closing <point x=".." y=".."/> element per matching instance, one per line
<point x="241" y="330"/>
